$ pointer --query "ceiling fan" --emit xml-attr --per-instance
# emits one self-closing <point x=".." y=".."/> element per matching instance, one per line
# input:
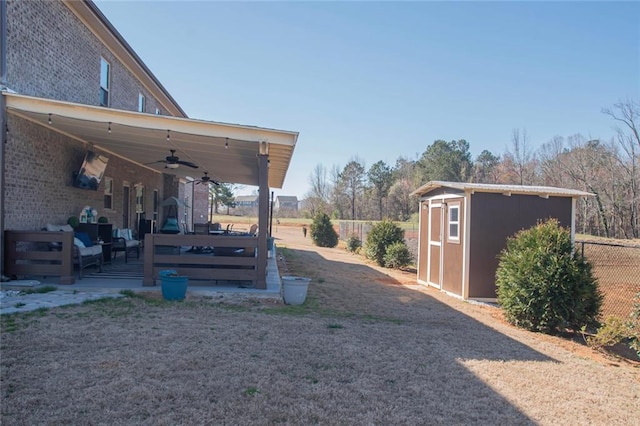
<point x="205" y="179"/>
<point x="173" y="162"/>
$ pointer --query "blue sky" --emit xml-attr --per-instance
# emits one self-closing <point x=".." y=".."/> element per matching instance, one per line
<point x="380" y="80"/>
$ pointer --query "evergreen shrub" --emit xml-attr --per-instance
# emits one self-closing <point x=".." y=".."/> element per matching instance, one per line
<point x="381" y="236"/>
<point x="322" y="232"/>
<point x="353" y="243"/>
<point x="543" y="284"/>
<point x="397" y="255"/>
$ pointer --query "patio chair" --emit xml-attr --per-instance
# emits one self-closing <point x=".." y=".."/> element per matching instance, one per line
<point x="85" y="252"/>
<point x="123" y="241"/>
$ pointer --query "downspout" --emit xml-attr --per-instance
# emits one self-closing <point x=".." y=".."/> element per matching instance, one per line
<point x="3" y="119"/>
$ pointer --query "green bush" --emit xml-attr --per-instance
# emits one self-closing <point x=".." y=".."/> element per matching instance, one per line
<point x="397" y="255"/>
<point x="617" y="330"/>
<point x="73" y="221"/>
<point x="381" y="236"/>
<point x="322" y="232"/>
<point x="543" y="285"/>
<point x="353" y="243"/>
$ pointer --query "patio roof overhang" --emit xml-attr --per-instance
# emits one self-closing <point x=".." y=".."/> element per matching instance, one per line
<point x="228" y="152"/>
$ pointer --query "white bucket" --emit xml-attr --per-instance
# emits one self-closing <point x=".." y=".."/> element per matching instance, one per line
<point x="295" y="289"/>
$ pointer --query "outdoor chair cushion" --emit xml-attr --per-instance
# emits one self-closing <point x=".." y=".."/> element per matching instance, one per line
<point x="55" y="228"/>
<point x="124" y="241"/>
<point x="84" y="237"/>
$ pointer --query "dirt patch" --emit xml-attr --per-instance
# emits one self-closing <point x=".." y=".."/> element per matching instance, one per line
<point x="368" y="347"/>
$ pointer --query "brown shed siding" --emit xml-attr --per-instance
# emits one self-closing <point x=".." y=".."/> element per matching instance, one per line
<point x="494" y="218"/>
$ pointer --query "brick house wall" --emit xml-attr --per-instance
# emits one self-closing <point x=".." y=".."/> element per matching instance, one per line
<point x="51" y="54"/>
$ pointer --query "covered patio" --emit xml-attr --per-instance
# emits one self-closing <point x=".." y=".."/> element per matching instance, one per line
<point x="230" y="153"/>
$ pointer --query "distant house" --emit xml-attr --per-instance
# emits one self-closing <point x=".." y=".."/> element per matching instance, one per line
<point x="286" y="202"/>
<point x="246" y="205"/>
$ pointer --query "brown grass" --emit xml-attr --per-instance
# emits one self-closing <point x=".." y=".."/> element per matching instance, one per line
<point x="368" y="347"/>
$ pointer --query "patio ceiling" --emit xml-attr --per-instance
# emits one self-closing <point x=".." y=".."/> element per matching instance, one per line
<point x="228" y="152"/>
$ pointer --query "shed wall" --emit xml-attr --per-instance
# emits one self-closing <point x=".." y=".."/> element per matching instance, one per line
<point x="496" y="217"/>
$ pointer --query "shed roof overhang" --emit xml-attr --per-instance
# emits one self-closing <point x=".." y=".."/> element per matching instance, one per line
<point x="541" y="191"/>
<point x="228" y="152"/>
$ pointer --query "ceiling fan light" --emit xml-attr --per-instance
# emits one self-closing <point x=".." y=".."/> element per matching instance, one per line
<point x="172" y="166"/>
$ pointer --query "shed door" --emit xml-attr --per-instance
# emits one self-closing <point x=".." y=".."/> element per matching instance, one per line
<point x="435" y="244"/>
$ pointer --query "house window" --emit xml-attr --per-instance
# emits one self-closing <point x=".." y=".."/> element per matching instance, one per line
<point x="108" y="193"/>
<point x="139" y="198"/>
<point x="454" y="222"/>
<point x="141" y="102"/>
<point x="105" y="77"/>
<point x="157" y="111"/>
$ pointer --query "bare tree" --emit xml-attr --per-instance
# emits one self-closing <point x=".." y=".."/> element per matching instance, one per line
<point x="318" y="197"/>
<point x="627" y="114"/>
<point x="521" y="158"/>
<point x="320" y="187"/>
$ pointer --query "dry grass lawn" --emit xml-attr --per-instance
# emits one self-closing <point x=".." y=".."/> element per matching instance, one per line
<point x="368" y="348"/>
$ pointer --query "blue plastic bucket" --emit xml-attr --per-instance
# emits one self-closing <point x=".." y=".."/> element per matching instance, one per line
<point x="174" y="287"/>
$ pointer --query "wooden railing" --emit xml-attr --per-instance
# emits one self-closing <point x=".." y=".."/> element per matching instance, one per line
<point x="28" y="253"/>
<point x="211" y="258"/>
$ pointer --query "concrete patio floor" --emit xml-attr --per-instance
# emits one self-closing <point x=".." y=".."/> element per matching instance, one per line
<point x="118" y="276"/>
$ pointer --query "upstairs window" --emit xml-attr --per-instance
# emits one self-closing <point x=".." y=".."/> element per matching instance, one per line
<point x="105" y="77"/>
<point x="141" y="102"/>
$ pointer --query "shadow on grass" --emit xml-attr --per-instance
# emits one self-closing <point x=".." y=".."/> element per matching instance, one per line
<point x="438" y="334"/>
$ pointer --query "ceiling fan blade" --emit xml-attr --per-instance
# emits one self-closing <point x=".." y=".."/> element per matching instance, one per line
<point x="187" y="163"/>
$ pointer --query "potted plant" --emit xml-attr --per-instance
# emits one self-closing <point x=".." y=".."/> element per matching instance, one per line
<point x="173" y="285"/>
<point x="73" y="221"/>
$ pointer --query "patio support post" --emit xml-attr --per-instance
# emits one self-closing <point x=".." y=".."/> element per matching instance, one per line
<point x="263" y="214"/>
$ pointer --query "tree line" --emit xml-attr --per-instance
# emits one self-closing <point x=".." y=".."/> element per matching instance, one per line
<point x="609" y="169"/>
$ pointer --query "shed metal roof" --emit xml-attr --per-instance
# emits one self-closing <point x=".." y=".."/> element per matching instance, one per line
<point x="542" y="191"/>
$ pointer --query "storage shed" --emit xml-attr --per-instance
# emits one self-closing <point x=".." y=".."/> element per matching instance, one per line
<point x="465" y="226"/>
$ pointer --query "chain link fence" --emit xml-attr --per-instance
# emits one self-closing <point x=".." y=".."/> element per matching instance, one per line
<point x="616" y="265"/>
<point x="617" y="268"/>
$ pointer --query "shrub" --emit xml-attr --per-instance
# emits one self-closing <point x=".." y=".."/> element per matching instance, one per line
<point x="616" y="330"/>
<point x="397" y="255"/>
<point x="103" y="219"/>
<point x="380" y="237"/>
<point x="543" y="284"/>
<point x="322" y="232"/>
<point x="353" y="243"/>
<point x="73" y="221"/>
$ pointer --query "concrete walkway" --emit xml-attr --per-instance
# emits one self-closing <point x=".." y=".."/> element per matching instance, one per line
<point x="12" y="301"/>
